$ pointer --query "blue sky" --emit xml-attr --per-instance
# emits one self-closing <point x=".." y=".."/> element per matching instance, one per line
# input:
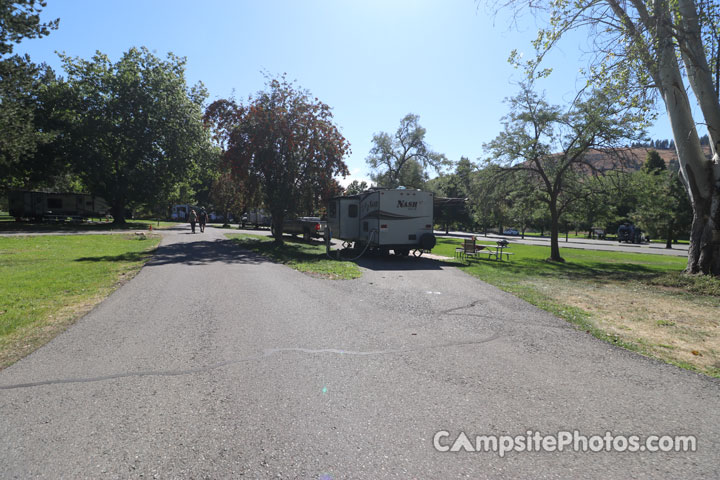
<point x="372" y="61"/>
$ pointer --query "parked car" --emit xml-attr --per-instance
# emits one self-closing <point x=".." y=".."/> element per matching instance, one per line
<point x="511" y="231"/>
<point x="598" y="232"/>
<point x="308" y="227"/>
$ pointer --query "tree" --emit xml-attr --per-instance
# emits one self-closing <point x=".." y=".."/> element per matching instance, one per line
<point x="653" y="162"/>
<point x="525" y="201"/>
<point x="20" y="83"/>
<point x="488" y="197"/>
<point x="599" y="202"/>
<point x="227" y="194"/>
<point x="285" y="141"/>
<point x="20" y="20"/>
<point x="136" y="128"/>
<point x="552" y="146"/>
<point x="663" y="206"/>
<point x="356" y="187"/>
<point x="451" y="191"/>
<point x="640" y="45"/>
<point x="403" y="159"/>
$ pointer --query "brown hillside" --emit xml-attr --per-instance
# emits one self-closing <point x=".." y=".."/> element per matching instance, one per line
<point x="630" y="158"/>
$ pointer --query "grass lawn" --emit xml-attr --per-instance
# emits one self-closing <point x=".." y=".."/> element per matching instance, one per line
<point x="144" y="224"/>
<point x="308" y="258"/>
<point x="638" y="301"/>
<point x="8" y="224"/>
<point x="50" y="281"/>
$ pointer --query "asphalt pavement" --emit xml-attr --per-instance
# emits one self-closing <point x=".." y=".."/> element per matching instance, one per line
<point x="216" y="363"/>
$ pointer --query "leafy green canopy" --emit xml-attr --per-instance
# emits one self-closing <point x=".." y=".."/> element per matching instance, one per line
<point x="20" y="19"/>
<point x="402" y="159"/>
<point x="21" y="85"/>
<point x="655" y="49"/>
<point x="134" y="128"/>
<point x="553" y="149"/>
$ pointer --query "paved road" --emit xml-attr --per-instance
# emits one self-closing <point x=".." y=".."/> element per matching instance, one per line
<point x="214" y="363"/>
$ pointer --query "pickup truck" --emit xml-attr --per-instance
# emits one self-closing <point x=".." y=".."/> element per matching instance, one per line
<point x="308" y="227"/>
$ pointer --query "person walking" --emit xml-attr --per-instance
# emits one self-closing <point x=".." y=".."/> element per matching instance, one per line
<point x="193" y="219"/>
<point x="202" y="219"/>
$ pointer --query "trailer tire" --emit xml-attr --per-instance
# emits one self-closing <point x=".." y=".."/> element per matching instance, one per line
<point x="427" y="241"/>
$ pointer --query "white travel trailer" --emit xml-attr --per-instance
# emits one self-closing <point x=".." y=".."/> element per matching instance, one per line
<point x="384" y="219"/>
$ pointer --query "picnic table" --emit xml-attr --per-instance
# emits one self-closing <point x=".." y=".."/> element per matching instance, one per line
<point x="471" y="248"/>
<point x="497" y="251"/>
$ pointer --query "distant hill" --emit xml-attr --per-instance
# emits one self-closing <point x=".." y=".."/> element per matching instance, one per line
<point x="631" y="158"/>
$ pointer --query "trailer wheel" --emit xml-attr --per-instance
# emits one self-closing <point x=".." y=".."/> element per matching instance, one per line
<point x="427" y="241"/>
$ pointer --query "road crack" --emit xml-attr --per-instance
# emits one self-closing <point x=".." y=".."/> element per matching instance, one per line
<point x="269" y="352"/>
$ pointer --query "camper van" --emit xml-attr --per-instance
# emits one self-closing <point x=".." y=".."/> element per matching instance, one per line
<point x="384" y="219"/>
<point x="55" y="206"/>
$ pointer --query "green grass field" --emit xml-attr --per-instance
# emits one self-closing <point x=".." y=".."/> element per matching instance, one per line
<point x="531" y="260"/>
<point x="304" y="257"/>
<point x="48" y="281"/>
<point x="144" y="224"/>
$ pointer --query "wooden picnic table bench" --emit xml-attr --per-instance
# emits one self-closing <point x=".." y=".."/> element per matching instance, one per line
<point x="472" y="249"/>
<point x="496" y="252"/>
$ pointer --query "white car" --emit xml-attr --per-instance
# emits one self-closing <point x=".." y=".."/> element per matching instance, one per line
<point x="511" y="231"/>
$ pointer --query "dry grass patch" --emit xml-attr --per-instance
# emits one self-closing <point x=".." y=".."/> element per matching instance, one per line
<point x="675" y="327"/>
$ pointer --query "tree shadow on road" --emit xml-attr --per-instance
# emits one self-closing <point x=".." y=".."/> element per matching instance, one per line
<point x="191" y="253"/>
<point x="400" y="263"/>
<point x="204" y="252"/>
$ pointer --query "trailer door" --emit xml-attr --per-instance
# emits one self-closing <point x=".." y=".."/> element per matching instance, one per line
<point x="370" y="218"/>
<point x="350" y="218"/>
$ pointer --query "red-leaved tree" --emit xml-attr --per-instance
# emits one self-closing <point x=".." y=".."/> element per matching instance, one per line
<point x="283" y="140"/>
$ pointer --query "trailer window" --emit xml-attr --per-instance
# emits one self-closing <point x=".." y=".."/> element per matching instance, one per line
<point x="352" y="211"/>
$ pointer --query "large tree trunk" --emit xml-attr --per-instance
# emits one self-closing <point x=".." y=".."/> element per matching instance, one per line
<point x="118" y="213"/>
<point x="700" y="174"/>
<point x="277" y="228"/>
<point x="704" y="252"/>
